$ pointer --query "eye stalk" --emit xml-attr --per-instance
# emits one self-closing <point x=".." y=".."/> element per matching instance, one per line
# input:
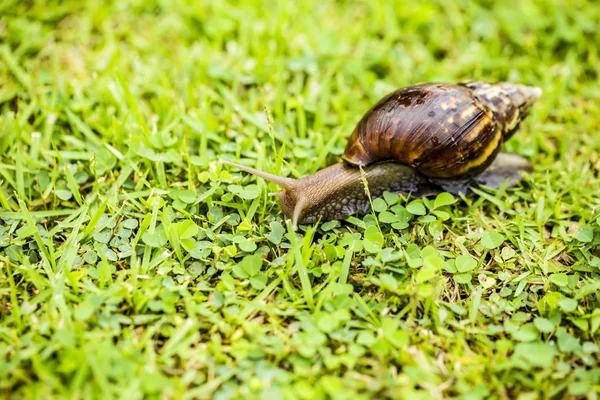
<point x="285" y="183"/>
<point x="290" y="198"/>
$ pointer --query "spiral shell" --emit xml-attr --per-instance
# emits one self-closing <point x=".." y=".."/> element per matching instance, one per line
<point x="441" y="130"/>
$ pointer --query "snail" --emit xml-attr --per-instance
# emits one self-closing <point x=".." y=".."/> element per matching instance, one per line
<point x="419" y="140"/>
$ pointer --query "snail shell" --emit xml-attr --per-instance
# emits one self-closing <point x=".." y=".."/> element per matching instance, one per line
<point x="441" y="130"/>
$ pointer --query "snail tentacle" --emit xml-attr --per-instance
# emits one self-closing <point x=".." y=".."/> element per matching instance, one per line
<point x="285" y="183"/>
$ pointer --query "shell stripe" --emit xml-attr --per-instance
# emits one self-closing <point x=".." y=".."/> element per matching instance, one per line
<point x="482" y="156"/>
<point x="476" y="145"/>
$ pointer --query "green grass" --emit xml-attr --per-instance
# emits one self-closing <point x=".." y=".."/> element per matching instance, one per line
<point x="133" y="264"/>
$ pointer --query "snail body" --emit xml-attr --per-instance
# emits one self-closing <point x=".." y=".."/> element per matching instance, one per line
<point x="422" y="140"/>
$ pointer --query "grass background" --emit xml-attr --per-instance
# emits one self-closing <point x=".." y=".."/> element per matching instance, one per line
<point x="132" y="264"/>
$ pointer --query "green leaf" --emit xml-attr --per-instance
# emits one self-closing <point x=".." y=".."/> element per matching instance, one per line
<point x="559" y="279"/>
<point x="90" y="257"/>
<point x="105" y="160"/>
<point x="589" y="347"/>
<point x="491" y="240"/>
<point x="567" y="305"/>
<point x="258" y="281"/>
<point x="89" y="306"/>
<point x="130" y="223"/>
<point x="373" y="241"/>
<point x="215" y="214"/>
<point x="124" y="233"/>
<point x="237" y="189"/>
<point x="387" y="217"/>
<point x="64" y="194"/>
<point x="277" y="232"/>
<point x="543" y="325"/>
<point x="27" y="231"/>
<point x="585" y="234"/>
<point x="526" y="333"/>
<point x="330" y="252"/>
<point x="187" y="229"/>
<point x="425" y="274"/>
<point x="250" y="192"/>
<point x="463" y="278"/>
<point x="403" y="215"/>
<point x="102" y="236"/>
<point x="366" y="338"/>
<point x="248" y="267"/>
<point x="187" y="196"/>
<point x="157" y="238"/>
<point x="391" y="198"/>
<point x="388" y="254"/>
<point x="327" y="324"/>
<point x="442" y="215"/>
<point x="426" y="218"/>
<point x="379" y="205"/>
<point x="443" y="199"/>
<point x="329" y="225"/>
<point x="388" y="281"/>
<point x="413" y="256"/>
<point x="568" y="343"/>
<point x="579" y="388"/>
<point x="436" y="229"/>
<point x="196" y="268"/>
<point x="536" y="354"/>
<point x="433" y="261"/>
<point x="449" y="266"/>
<point x="399" y="225"/>
<point x="465" y="263"/>
<point x="330" y="321"/>
<point x="247" y="245"/>
<point x="416" y="207"/>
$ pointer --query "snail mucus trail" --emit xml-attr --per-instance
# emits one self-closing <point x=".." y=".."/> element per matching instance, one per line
<point x="419" y="140"/>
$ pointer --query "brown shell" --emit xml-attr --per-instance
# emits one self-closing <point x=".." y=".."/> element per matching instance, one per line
<point x="441" y="130"/>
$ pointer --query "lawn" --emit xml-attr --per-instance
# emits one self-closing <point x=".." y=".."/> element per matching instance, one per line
<point x="133" y="264"/>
